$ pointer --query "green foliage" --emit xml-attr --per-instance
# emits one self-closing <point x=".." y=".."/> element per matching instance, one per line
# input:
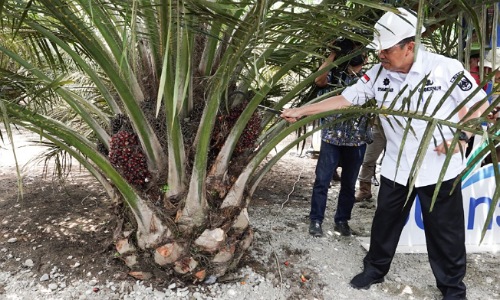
<point x="164" y="189"/>
<point x="69" y="68"/>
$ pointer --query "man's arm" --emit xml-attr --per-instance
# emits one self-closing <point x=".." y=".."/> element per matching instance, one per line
<point x="335" y="102"/>
<point x="477" y="112"/>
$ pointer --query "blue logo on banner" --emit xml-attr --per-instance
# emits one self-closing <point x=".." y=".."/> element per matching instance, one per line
<point x="481" y="174"/>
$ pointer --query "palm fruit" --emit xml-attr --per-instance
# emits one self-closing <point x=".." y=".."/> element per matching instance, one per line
<point x="227" y="121"/>
<point x="127" y="156"/>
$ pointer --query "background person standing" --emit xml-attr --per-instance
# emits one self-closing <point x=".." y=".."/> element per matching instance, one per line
<point x="342" y="142"/>
<point x="369" y="165"/>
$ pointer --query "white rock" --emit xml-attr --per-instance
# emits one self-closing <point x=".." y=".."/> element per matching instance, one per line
<point x="407" y="290"/>
<point x="159" y="295"/>
<point x="29" y="263"/>
<point x="44" y="277"/>
<point x="53" y="286"/>
<point x="12" y="240"/>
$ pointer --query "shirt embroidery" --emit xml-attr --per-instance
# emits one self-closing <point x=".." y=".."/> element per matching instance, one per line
<point x="365" y="78"/>
<point x="465" y="84"/>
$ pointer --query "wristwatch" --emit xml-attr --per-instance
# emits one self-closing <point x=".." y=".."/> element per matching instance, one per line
<point x="463" y="137"/>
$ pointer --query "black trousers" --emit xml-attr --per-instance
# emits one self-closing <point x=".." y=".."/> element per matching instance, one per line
<point x="444" y="233"/>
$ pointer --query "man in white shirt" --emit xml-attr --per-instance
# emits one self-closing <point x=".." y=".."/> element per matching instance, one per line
<point x="412" y="79"/>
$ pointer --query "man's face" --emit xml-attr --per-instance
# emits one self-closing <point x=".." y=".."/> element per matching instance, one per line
<point x="398" y="58"/>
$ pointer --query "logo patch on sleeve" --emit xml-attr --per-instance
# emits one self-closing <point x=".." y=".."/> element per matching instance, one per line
<point x="465" y="84"/>
<point x="365" y="78"/>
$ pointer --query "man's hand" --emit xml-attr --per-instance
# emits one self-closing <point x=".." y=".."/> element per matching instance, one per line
<point x="291" y="114"/>
<point x="335" y="102"/>
<point x="460" y="146"/>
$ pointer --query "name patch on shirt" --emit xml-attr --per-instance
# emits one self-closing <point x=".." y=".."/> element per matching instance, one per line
<point x="465" y="84"/>
<point x="385" y="82"/>
<point x="385" y="89"/>
<point x="430" y="88"/>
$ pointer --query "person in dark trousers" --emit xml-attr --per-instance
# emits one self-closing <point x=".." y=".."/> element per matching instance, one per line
<point x="342" y="142"/>
<point x="369" y="166"/>
<point x="407" y="78"/>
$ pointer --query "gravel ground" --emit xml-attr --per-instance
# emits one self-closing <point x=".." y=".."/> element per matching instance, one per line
<point x="283" y="263"/>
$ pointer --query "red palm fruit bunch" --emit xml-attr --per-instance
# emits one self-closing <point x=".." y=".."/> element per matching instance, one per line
<point x="127" y="156"/>
<point x="250" y="135"/>
<point x="226" y="122"/>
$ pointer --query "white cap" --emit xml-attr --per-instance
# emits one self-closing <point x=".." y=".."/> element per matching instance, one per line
<point x="488" y="60"/>
<point x="393" y="28"/>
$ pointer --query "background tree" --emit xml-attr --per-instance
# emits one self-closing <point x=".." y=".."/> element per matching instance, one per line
<point x="159" y="101"/>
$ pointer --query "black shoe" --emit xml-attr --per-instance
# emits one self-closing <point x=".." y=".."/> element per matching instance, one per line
<point x="343" y="228"/>
<point x="363" y="281"/>
<point x="315" y="229"/>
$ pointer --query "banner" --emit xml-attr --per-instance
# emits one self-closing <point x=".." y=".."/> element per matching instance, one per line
<point x="477" y="191"/>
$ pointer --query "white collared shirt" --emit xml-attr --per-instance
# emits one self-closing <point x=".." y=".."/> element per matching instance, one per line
<point x="429" y="79"/>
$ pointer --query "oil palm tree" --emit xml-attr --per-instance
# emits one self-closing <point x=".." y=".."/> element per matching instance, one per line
<point x="158" y="100"/>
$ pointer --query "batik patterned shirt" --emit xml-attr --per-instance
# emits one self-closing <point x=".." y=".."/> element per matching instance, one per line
<point x="349" y="132"/>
